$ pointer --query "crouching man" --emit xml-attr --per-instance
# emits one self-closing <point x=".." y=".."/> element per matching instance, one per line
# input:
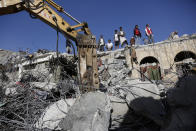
<point x="109" y="45"/>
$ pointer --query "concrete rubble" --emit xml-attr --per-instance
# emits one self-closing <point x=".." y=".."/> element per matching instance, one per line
<point x="123" y="103"/>
<point x="89" y="113"/>
<point x="54" y="113"/>
<point x="133" y="99"/>
<point x="115" y="75"/>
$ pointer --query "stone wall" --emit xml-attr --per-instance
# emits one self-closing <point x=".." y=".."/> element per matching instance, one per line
<point x="165" y="53"/>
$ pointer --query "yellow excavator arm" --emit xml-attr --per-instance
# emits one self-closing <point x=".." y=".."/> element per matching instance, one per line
<point x="42" y="10"/>
<point x="79" y="33"/>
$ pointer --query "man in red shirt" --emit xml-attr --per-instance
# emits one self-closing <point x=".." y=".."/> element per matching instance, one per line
<point x="137" y="35"/>
<point x="149" y="34"/>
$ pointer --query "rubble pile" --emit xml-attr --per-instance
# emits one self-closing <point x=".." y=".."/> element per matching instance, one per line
<point x="143" y="105"/>
<point x="113" y="71"/>
<point x="28" y="107"/>
<point x="8" y="56"/>
<point x="35" y="102"/>
<point x="20" y="110"/>
<point x="115" y="75"/>
<point x="47" y="98"/>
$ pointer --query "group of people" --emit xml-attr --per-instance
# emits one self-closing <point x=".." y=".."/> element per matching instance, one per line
<point x="120" y="39"/>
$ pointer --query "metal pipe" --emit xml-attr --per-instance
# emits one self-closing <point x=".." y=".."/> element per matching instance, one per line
<point x="74" y="19"/>
<point x="60" y="9"/>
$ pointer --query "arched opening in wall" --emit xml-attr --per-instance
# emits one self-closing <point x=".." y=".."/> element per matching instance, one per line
<point x="185" y="61"/>
<point x="184" y="55"/>
<point x="149" y="59"/>
<point x="150" y="69"/>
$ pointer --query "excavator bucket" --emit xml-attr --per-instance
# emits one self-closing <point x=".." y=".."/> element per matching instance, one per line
<point x="10" y="6"/>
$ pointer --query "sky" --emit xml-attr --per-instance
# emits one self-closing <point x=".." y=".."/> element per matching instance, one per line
<point x="20" y="31"/>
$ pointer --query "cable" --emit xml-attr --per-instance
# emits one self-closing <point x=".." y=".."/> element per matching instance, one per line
<point x="57" y="52"/>
<point x="70" y="43"/>
<point x="32" y="16"/>
<point x="34" y="7"/>
<point x="57" y="41"/>
<point x="55" y="20"/>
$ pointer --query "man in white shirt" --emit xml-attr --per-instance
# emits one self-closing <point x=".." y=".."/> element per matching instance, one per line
<point x="109" y="45"/>
<point x="101" y="43"/>
<point x="116" y="39"/>
<point x="176" y="36"/>
<point x="122" y="38"/>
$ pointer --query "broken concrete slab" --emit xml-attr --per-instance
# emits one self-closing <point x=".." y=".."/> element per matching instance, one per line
<point x="119" y="56"/>
<point x="44" y="85"/>
<point x="119" y="106"/>
<point x="90" y="113"/>
<point x="54" y="113"/>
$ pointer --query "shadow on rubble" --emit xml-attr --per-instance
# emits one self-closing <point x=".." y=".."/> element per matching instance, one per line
<point x="142" y="115"/>
<point x="175" y="112"/>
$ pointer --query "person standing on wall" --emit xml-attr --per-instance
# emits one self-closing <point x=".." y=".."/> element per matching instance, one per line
<point x="122" y="37"/>
<point x="116" y="39"/>
<point x="109" y="45"/>
<point x="149" y="34"/>
<point x="132" y="41"/>
<point x="133" y="52"/>
<point x="137" y="35"/>
<point x="101" y="43"/>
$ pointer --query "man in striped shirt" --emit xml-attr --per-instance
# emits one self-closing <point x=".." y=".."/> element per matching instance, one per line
<point x="149" y="34"/>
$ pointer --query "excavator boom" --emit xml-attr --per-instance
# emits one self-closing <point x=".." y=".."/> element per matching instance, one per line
<point x="80" y="33"/>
